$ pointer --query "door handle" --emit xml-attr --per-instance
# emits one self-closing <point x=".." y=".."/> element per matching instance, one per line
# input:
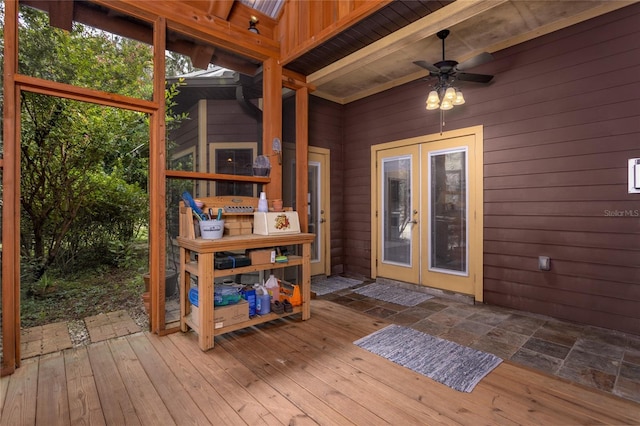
<point x="322" y="220"/>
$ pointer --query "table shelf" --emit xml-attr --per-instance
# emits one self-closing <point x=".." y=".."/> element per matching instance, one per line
<point x="257" y="319"/>
<point x="197" y="260"/>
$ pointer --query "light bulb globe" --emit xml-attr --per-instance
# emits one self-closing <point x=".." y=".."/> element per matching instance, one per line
<point x="446" y="105"/>
<point x="433" y="97"/>
<point x="459" y="100"/>
<point x="450" y="94"/>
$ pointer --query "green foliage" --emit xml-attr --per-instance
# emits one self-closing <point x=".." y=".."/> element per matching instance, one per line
<point x="84" y="166"/>
<point x="83" y="57"/>
<point x="84" y="172"/>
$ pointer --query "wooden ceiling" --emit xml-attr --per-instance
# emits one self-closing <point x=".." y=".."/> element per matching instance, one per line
<point x="375" y="53"/>
<point x="476" y="26"/>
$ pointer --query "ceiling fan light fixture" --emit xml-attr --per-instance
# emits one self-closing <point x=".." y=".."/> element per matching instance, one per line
<point x="433" y="97"/>
<point x="446" y="105"/>
<point x="459" y="100"/>
<point x="443" y="95"/>
<point x="433" y="105"/>
<point x="450" y="94"/>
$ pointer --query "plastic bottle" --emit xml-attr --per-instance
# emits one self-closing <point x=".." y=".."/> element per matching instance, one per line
<point x="263" y="300"/>
<point x="263" y="205"/>
<point x="273" y="288"/>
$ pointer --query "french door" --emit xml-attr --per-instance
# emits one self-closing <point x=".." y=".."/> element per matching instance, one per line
<point x="398" y="214"/>
<point x="428" y="226"/>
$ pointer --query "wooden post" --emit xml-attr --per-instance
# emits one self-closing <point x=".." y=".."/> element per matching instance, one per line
<point x="305" y="284"/>
<point x="157" y="181"/>
<point x="272" y="119"/>
<point x="302" y="156"/>
<point x="11" y="196"/>
<point x="205" y="300"/>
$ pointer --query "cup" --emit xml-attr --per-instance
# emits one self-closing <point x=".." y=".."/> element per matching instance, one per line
<point x="211" y="229"/>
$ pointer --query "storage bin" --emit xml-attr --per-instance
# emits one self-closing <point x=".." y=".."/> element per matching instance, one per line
<point x="226" y="295"/>
<point x="224" y="316"/>
<point x="228" y="260"/>
<point x="259" y="257"/>
<point x="222" y="295"/>
<point x="276" y="223"/>
<point x="232" y="228"/>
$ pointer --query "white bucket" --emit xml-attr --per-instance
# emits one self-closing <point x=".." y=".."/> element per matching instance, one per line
<point x="211" y="229"/>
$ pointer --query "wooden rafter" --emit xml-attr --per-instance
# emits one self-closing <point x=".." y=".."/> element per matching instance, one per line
<point x="200" y="26"/>
<point x="217" y="8"/>
<point x="201" y="55"/>
<point x="61" y="14"/>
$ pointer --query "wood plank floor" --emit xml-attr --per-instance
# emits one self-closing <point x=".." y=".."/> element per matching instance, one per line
<point x="282" y="373"/>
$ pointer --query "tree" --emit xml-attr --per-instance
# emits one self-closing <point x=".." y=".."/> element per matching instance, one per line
<point x="84" y="166"/>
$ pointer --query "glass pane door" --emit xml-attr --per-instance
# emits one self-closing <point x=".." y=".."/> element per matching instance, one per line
<point x="314" y="209"/>
<point x="448" y="211"/>
<point x="398" y="237"/>
<point x="396" y="213"/>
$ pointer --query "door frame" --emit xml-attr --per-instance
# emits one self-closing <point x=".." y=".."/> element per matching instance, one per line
<point x="477" y="236"/>
<point x="325" y="201"/>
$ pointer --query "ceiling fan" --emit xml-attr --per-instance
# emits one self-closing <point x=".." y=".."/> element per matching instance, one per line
<point x="447" y="69"/>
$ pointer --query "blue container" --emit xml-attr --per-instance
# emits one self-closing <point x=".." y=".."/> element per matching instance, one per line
<point x="263" y="304"/>
<point x="249" y="294"/>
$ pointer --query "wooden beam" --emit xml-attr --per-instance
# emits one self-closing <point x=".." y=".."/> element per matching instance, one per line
<point x="294" y="80"/>
<point x="199" y="25"/>
<point x="114" y="23"/>
<point x="295" y="47"/>
<point x="61" y="14"/>
<point x="10" y="196"/>
<point x="186" y="174"/>
<point x="157" y="181"/>
<point x="201" y="55"/>
<point x="67" y="91"/>
<point x="218" y="8"/>
<point x="226" y="60"/>
<point x="241" y="14"/>
<point x="272" y="123"/>
<point x="302" y="156"/>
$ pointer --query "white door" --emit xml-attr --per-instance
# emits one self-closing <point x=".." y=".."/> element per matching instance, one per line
<point x="318" y="210"/>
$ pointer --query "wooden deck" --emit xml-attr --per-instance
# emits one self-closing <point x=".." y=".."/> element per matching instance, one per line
<point x="284" y="372"/>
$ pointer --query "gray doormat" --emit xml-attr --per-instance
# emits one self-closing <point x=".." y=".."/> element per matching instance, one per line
<point x="459" y="367"/>
<point x="321" y="286"/>
<point x="394" y="294"/>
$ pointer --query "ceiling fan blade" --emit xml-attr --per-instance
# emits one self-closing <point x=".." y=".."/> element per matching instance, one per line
<point x="427" y="66"/>
<point x="476" y="78"/>
<point x="480" y="59"/>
